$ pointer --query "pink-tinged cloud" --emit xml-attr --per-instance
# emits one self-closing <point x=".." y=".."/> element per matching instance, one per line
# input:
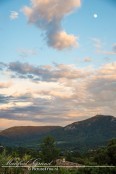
<point x="58" y="93"/>
<point x="5" y="84"/>
<point x="48" y="15"/>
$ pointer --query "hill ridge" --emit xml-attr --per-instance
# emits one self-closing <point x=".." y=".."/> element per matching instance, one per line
<point x="90" y="132"/>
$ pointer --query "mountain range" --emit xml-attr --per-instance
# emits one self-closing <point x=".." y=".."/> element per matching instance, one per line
<point x="87" y="134"/>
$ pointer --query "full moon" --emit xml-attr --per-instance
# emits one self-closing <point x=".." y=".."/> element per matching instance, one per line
<point x="95" y="15"/>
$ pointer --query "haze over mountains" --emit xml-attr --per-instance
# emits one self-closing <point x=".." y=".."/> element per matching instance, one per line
<point x="90" y="133"/>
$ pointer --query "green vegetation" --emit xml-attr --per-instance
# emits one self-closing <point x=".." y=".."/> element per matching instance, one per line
<point x="83" y="135"/>
<point x="49" y="152"/>
<point x="105" y="156"/>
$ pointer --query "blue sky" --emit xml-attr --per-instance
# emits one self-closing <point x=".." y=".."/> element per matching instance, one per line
<point x="18" y="35"/>
<point x="85" y="40"/>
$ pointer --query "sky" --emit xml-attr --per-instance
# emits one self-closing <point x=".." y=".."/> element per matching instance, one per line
<point x="57" y="61"/>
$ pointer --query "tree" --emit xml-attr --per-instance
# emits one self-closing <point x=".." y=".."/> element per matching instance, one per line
<point x="49" y="151"/>
<point x="106" y="155"/>
<point x="111" y="151"/>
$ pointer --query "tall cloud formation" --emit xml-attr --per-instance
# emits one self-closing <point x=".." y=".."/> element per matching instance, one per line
<point x="47" y="15"/>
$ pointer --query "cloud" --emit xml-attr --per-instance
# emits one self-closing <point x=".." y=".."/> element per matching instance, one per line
<point x="62" y="40"/>
<point x="14" y="15"/>
<point x="87" y="59"/>
<point x="5" y="84"/>
<point x="114" y="47"/>
<point x="41" y="110"/>
<point x="62" y="93"/>
<point x="2" y="66"/>
<point x="50" y="73"/>
<point x="24" y="53"/>
<point x="4" y="99"/>
<point x="48" y="15"/>
<point x="97" y="43"/>
<point x="107" y="59"/>
<point x="108" y="70"/>
<point x="106" y="52"/>
<point x="99" y="47"/>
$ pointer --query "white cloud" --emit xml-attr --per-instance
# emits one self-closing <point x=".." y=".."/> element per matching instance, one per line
<point x="106" y="52"/>
<point x="14" y="15"/>
<point x="24" y="53"/>
<point x="48" y="15"/>
<point x="99" y="47"/>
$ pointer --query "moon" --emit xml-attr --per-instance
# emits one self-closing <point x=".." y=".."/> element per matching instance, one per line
<point x="95" y="15"/>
